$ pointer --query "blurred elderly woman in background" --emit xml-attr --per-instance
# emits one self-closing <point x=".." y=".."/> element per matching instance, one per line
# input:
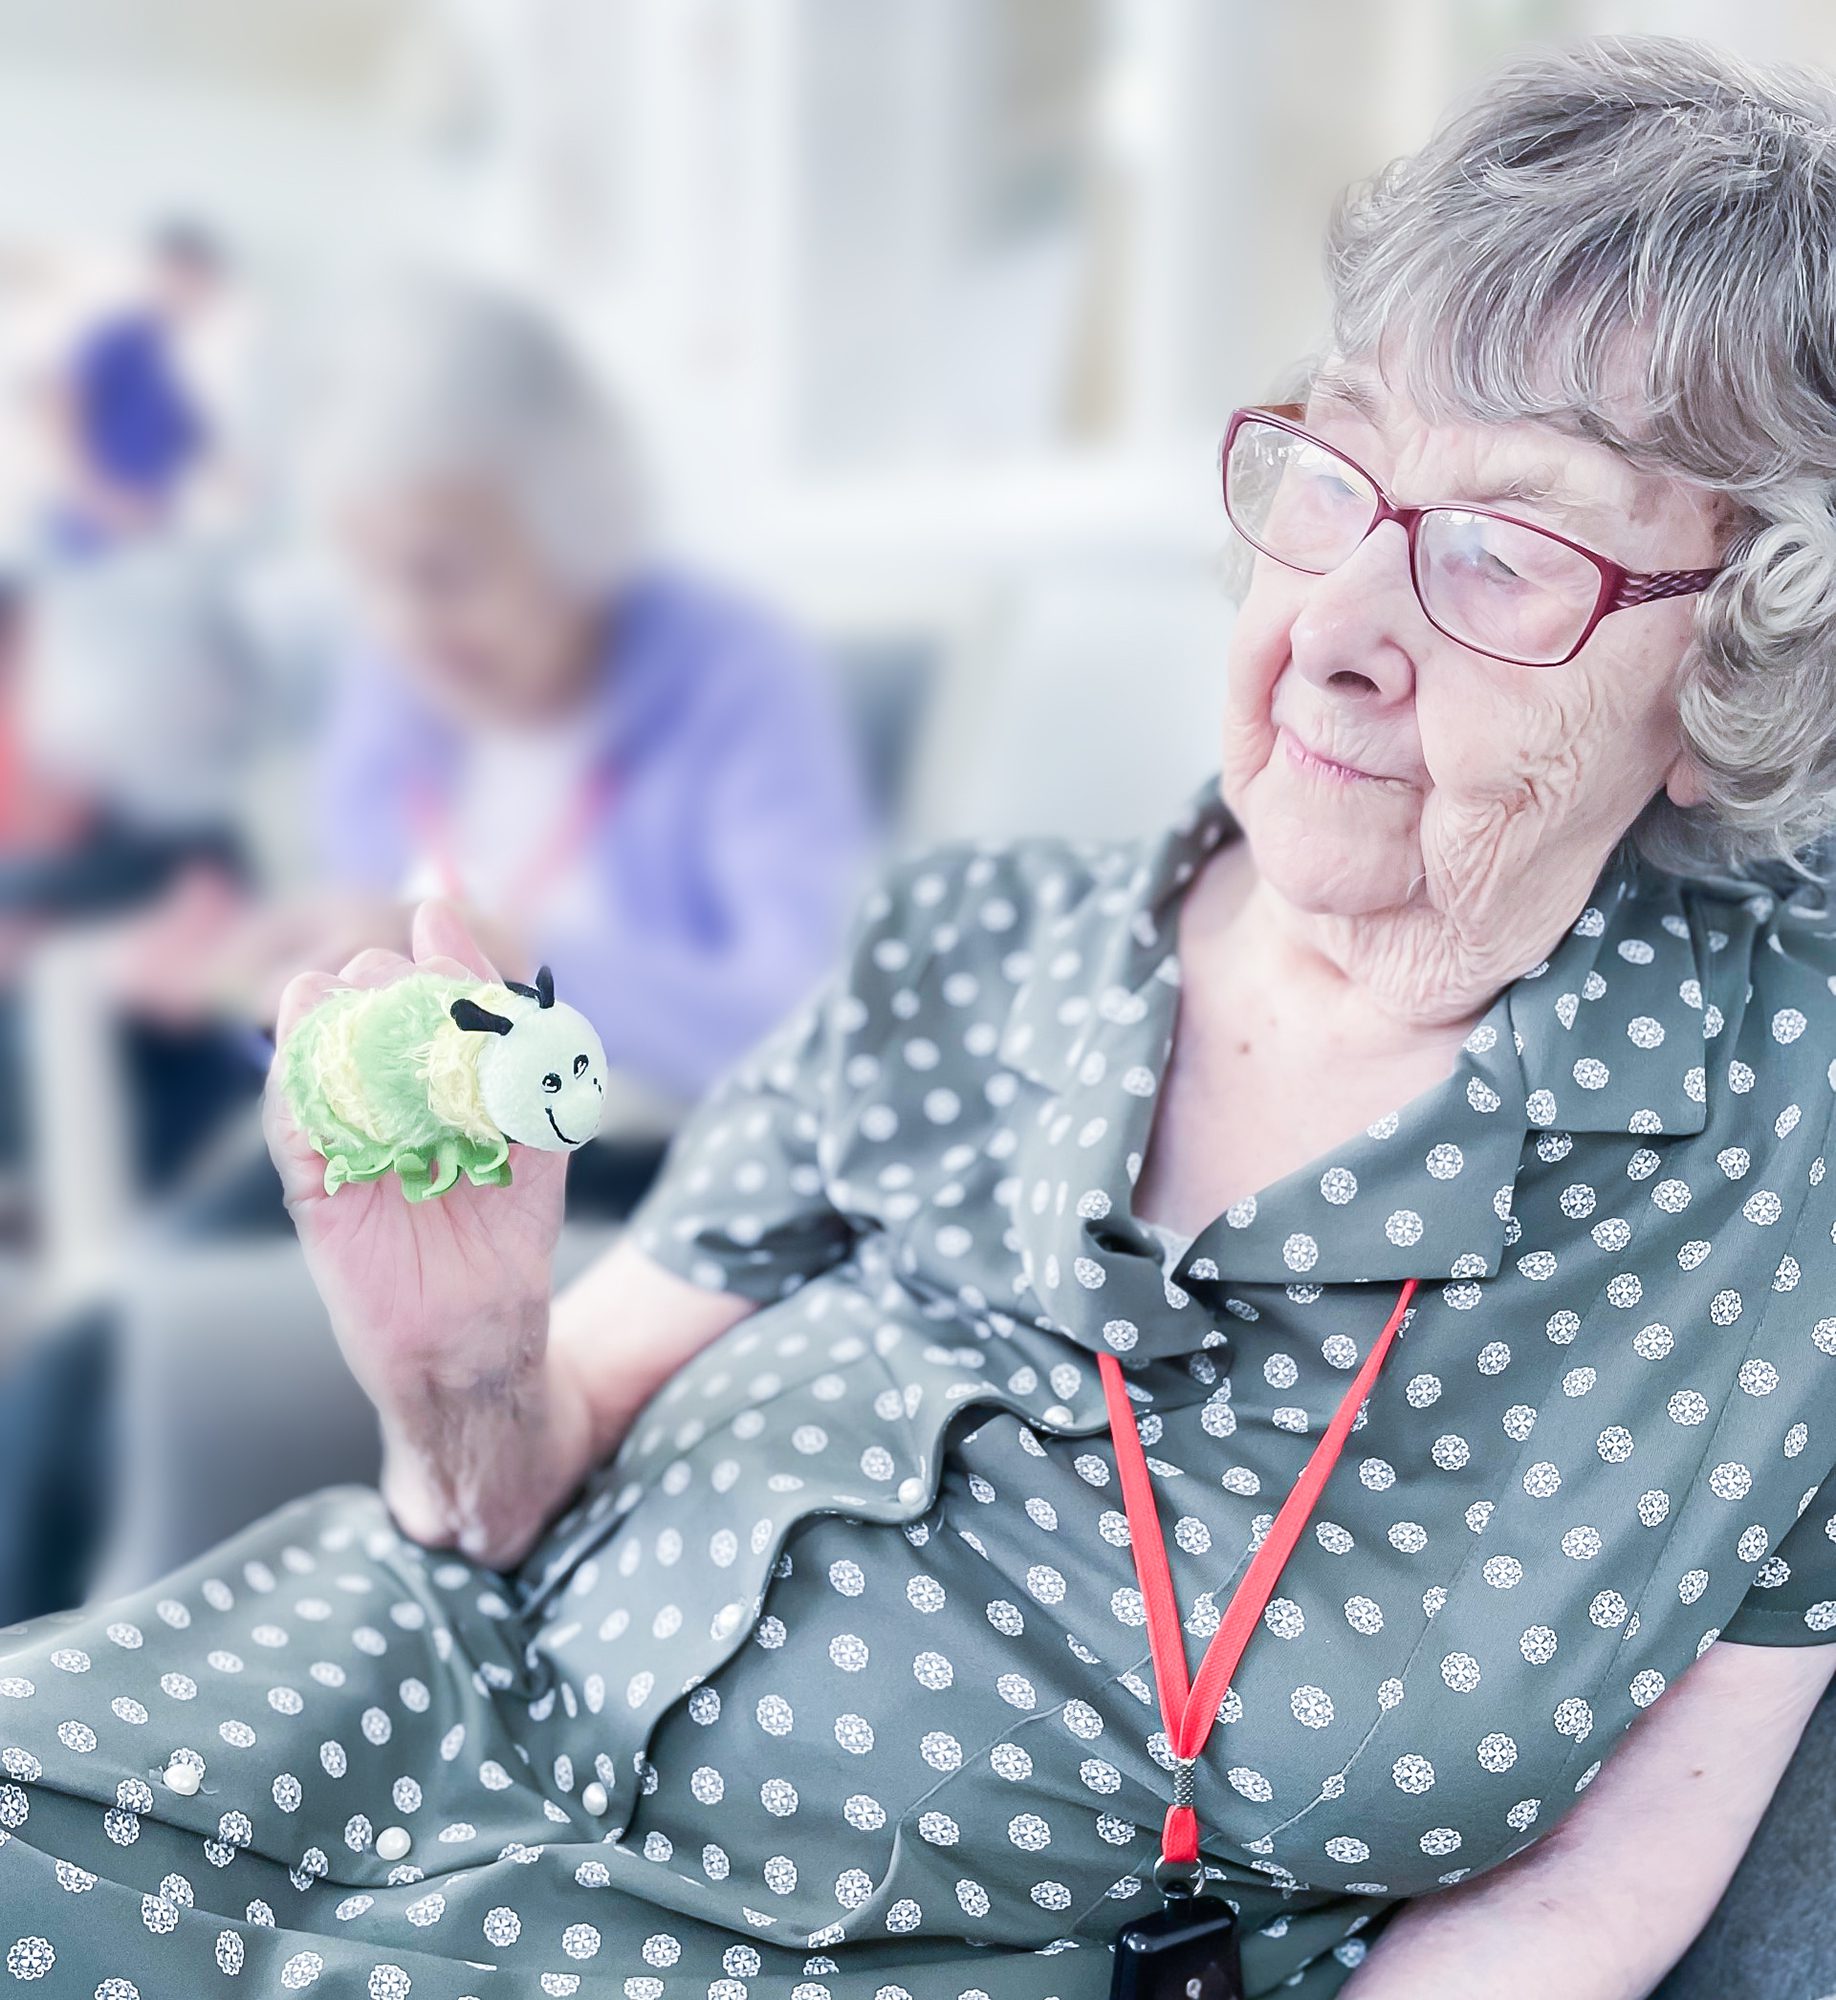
<point x="635" y="776"/>
<point x="630" y="773"/>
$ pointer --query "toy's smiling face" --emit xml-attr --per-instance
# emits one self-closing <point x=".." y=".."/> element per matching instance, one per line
<point x="544" y="1082"/>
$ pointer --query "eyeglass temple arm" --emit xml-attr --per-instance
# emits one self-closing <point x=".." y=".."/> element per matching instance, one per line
<point x="1653" y="584"/>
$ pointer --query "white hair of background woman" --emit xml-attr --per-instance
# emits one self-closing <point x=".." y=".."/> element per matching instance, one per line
<point x="434" y="376"/>
<point x="1648" y="212"/>
<point x="141" y="687"/>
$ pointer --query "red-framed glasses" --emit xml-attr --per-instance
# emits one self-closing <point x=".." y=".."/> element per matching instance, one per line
<point x="1502" y="586"/>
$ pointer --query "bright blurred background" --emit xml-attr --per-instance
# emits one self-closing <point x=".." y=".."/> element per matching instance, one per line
<point x="912" y="325"/>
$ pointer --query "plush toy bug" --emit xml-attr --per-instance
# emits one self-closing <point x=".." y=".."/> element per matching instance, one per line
<point x="432" y="1075"/>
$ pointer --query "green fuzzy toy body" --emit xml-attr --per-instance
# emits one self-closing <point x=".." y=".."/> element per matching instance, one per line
<point x="357" y="1078"/>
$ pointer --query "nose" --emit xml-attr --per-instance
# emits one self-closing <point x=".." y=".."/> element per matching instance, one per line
<point x="1358" y="625"/>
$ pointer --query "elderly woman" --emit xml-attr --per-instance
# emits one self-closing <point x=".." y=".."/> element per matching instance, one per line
<point x="1437" y="1107"/>
<point x="617" y="765"/>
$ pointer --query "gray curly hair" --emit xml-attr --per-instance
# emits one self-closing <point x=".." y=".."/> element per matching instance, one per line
<point x="1657" y="197"/>
<point x="431" y="372"/>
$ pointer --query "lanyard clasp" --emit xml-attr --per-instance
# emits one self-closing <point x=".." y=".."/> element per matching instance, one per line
<point x="1178" y="1881"/>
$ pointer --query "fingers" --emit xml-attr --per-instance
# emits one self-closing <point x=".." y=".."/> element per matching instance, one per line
<point x="440" y="932"/>
<point x="299" y="997"/>
<point x="448" y="968"/>
<point x="374" y="966"/>
<point x="288" y="1146"/>
<point x="298" y="1162"/>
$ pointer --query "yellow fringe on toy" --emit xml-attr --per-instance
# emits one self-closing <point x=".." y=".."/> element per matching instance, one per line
<point x="448" y="1064"/>
<point x="338" y="1076"/>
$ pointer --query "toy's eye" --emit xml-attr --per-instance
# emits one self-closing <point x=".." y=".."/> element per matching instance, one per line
<point x="580" y="1065"/>
<point x="551" y="1082"/>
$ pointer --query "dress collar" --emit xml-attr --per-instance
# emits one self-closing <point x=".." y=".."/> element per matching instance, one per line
<point x="1424" y="1192"/>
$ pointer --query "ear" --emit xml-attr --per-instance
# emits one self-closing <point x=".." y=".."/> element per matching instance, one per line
<point x="1683" y="782"/>
<point x="479" y="1020"/>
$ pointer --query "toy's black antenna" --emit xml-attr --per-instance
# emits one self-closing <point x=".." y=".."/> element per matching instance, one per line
<point x="542" y="992"/>
<point x="479" y="1020"/>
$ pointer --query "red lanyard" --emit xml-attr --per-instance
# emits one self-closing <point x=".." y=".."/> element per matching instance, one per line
<point x="1190" y="1712"/>
<point x="591" y="800"/>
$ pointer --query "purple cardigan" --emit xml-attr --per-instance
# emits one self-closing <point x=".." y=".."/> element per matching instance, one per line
<point x="734" y="850"/>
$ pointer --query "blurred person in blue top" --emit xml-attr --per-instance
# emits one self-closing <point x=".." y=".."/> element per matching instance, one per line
<point x="624" y="770"/>
<point x="129" y="431"/>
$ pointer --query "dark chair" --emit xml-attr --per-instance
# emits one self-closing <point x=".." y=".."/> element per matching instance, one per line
<point x="1773" y="1934"/>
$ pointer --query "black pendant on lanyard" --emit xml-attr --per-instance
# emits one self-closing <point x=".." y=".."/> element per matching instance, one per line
<point x="1187" y="1950"/>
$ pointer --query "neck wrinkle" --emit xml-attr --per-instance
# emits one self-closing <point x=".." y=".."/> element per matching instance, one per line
<point x="1280" y="953"/>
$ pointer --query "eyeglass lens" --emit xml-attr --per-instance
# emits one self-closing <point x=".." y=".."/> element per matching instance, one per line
<point x="1505" y="588"/>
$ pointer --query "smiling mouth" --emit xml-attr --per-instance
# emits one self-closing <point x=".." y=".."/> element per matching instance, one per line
<point x="554" y="1128"/>
<point x="1310" y="761"/>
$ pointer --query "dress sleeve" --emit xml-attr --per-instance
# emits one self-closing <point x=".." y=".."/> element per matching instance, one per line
<point x="1792" y="1599"/>
<point x="740" y="1204"/>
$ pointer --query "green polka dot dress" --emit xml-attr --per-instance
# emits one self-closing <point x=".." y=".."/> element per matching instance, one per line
<point x="834" y="1683"/>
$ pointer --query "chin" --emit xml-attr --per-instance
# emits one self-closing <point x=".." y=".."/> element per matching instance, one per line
<point x="1330" y="870"/>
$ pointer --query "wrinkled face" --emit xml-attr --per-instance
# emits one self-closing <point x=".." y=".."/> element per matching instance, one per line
<point x="544" y="1082"/>
<point x="1486" y="793"/>
<point x="456" y="592"/>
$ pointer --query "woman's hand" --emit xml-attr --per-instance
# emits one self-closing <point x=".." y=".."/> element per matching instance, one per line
<point x="444" y="1286"/>
<point x="440" y="1307"/>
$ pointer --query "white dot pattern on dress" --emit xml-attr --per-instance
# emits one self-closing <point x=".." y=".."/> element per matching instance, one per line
<point x="846" y="1639"/>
